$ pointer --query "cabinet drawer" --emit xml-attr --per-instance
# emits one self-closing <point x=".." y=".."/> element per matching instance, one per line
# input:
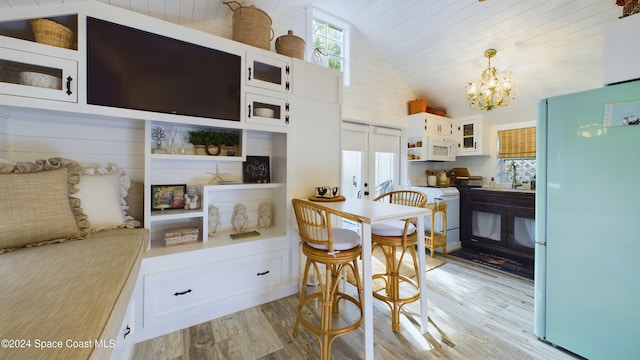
<point x="123" y="347"/>
<point x="185" y="291"/>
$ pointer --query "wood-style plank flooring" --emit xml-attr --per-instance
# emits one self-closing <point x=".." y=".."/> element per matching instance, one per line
<point x="474" y="313"/>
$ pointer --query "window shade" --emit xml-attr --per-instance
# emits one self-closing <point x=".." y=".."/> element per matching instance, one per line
<point x="517" y="143"/>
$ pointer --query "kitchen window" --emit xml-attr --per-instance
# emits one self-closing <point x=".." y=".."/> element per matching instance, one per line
<point x="330" y="36"/>
<point x="517" y="147"/>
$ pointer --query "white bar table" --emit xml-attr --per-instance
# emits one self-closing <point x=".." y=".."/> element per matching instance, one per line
<point x="371" y="212"/>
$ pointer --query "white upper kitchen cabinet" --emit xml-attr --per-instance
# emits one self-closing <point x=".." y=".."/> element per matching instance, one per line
<point x="432" y="124"/>
<point x="471" y="136"/>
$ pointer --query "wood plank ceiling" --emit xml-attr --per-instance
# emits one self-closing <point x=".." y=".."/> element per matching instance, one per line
<point x="436" y="47"/>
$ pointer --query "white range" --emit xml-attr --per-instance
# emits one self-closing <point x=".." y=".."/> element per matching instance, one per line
<point x="451" y="196"/>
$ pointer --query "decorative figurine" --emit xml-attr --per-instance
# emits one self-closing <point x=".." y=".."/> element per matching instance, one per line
<point x="264" y="216"/>
<point x="192" y="198"/>
<point x="214" y="219"/>
<point x="158" y="135"/>
<point x="239" y="219"/>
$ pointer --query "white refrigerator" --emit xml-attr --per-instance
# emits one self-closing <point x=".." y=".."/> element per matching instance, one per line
<point x="587" y="258"/>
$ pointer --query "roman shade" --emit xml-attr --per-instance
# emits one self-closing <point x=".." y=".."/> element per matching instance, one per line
<point x="517" y="143"/>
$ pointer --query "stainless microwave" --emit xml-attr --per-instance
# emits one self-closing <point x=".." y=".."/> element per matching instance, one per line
<point x="439" y="148"/>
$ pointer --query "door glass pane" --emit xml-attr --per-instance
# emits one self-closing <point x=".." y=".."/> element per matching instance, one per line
<point x="467" y="130"/>
<point x="467" y="142"/>
<point x="14" y="72"/>
<point x="524" y="231"/>
<point x="385" y="172"/>
<point x="486" y="225"/>
<point x="268" y="73"/>
<point x="352" y="174"/>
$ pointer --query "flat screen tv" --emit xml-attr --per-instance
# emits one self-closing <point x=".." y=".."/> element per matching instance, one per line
<point x="133" y="69"/>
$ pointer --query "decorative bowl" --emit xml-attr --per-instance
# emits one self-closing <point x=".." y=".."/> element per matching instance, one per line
<point x="39" y="80"/>
<point x="264" y="112"/>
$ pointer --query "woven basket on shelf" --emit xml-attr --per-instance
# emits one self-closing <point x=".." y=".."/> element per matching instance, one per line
<point x="251" y="25"/>
<point x="51" y="33"/>
<point x="290" y="45"/>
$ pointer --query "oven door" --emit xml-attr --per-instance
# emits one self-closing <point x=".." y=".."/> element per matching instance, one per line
<point x="440" y="148"/>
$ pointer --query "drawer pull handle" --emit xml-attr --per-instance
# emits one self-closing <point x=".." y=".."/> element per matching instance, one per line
<point x="262" y="273"/>
<point x="182" y="293"/>
<point x="69" y="79"/>
<point x="127" y="332"/>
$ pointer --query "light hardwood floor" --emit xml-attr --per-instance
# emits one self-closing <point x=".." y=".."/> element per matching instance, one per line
<point x="474" y="313"/>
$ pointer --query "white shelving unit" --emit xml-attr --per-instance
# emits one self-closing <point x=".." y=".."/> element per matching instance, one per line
<point x="254" y="269"/>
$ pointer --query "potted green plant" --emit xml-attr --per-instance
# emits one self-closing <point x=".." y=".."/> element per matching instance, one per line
<point x="229" y="141"/>
<point x="213" y="142"/>
<point x="199" y="138"/>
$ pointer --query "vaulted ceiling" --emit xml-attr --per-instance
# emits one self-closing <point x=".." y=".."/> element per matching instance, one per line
<point x="436" y="47"/>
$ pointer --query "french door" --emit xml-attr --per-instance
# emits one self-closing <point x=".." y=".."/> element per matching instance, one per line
<point x="370" y="160"/>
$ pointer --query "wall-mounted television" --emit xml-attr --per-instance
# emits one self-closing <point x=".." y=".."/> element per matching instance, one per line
<point x="134" y="69"/>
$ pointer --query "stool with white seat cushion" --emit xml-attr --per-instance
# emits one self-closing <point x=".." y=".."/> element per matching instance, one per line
<point x="337" y="249"/>
<point x="392" y="236"/>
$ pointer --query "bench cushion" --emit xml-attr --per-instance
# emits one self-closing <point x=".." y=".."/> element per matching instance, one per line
<point x="77" y="290"/>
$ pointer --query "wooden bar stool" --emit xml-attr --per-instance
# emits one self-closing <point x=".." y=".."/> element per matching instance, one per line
<point x="392" y="236"/>
<point x="434" y="239"/>
<point x="335" y="249"/>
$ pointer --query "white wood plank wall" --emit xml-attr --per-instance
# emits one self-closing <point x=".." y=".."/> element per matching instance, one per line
<point x="376" y="94"/>
<point x="91" y="141"/>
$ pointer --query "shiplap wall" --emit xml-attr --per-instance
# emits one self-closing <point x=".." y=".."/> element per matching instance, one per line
<point x="376" y="95"/>
<point x="93" y="142"/>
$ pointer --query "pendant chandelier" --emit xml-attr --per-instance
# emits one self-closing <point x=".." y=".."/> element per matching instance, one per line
<point x="489" y="92"/>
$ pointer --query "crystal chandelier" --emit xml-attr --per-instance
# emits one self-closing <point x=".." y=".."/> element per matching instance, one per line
<point x="490" y="92"/>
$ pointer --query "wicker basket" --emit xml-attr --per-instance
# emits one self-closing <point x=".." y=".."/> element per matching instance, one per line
<point x="417" y="106"/>
<point x="51" y="33"/>
<point x="251" y="25"/>
<point x="290" y="45"/>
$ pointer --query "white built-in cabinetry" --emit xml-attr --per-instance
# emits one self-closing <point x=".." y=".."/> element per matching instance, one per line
<point x="471" y="136"/>
<point x="18" y="56"/>
<point x="269" y="87"/>
<point x="426" y="132"/>
<point x="188" y="284"/>
<point x="431" y="124"/>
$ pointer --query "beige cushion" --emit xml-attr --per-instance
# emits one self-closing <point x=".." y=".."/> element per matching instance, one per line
<point x="102" y="192"/>
<point x="343" y="239"/>
<point x="392" y="228"/>
<point x="76" y="290"/>
<point x="37" y="202"/>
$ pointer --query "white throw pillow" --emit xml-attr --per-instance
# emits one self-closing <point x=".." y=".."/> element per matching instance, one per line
<point x="102" y="193"/>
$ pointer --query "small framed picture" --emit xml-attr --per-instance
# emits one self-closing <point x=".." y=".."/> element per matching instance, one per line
<point x="165" y="197"/>
<point x="256" y="170"/>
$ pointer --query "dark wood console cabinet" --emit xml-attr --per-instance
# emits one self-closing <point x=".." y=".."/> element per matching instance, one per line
<point x="502" y="222"/>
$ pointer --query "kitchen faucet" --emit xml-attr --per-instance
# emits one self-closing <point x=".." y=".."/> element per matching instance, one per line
<point x="514" y="183"/>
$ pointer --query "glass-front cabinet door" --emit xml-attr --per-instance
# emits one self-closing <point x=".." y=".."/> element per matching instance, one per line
<point x="470" y="136"/>
<point x="37" y="76"/>
<point x="268" y="73"/>
<point x="267" y="110"/>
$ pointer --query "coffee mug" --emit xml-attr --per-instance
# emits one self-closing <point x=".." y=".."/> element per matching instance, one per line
<point x="327" y="192"/>
<point x="323" y="191"/>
